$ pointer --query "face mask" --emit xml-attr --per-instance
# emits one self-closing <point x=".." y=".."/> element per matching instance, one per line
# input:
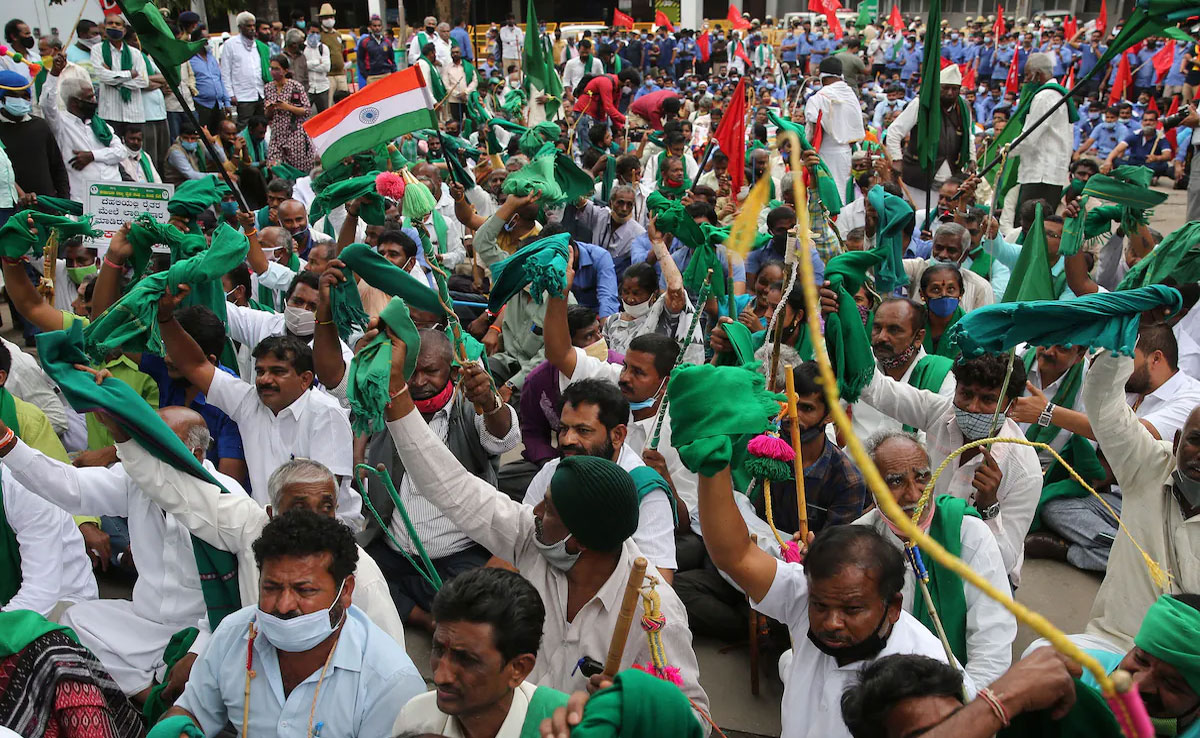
<point x="229" y="294"/>
<point x="300" y="633"/>
<point x="87" y="109"/>
<point x="115" y="34"/>
<point x="809" y="434"/>
<point x="299" y="322"/>
<point x="975" y="426"/>
<point x="1188" y="487"/>
<point x="637" y="310"/>
<point x="301" y="24"/>
<point x="300" y="235"/>
<point x="943" y="307"/>
<point x="864" y="313"/>
<point x="868" y="649"/>
<point x="17" y="106"/>
<point x="313" y="41"/>
<point x="899" y="359"/>
<point x="78" y="274"/>
<point x="47" y="61"/>
<point x="556" y="554"/>
<point x="649" y="401"/>
<point x="908" y="511"/>
<point x="229" y="209"/>
<point x="626" y="90"/>
<point x="431" y="405"/>
<point x="89" y="42"/>
<point x="1148" y="128"/>
<point x="327" y="24"/>
<point x="597" y="350"/>
<point x="190" y="146"/>
<point x="28" y="42"/>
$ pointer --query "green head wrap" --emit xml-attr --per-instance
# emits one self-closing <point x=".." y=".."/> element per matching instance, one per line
<point x="896" y="217"/>
<point x="370" y="210"/>
<point x="638" y="705"/>
<point x="711" y="405"/>
<point x="596" y="500"/>
<point x="371" y="369"/>
<point x="533" y="139"/>
<point x="1168" y="632"/>
<point x="542" y="265"/>
<point x="196" y="195"/>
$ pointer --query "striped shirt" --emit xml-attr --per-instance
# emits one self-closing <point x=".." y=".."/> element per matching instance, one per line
<point x="110" y="81"/>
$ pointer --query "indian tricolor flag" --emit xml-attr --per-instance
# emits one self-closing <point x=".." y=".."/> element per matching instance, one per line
<point x="380" y="112"/>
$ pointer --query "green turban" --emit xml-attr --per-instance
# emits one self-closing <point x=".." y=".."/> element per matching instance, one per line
<point x="596" y="500"/>
<point x="712" y="405"/>
<point x="1169" y="632"/>
<point x="638" y="705"/>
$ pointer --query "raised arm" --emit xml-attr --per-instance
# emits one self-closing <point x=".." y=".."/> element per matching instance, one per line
<point x="557" y="335"/>
<point x="728" y="540"/>
<point x="112" y="271"/>
<point x="464" y="210"/>
<point x="26" y="299"/>
<point x="676" y="294"/>
<point x="255" y="258"/>
<point x="327" y="346"/>
<point x="1130" y="448"/>
<point x="185" y="353"/>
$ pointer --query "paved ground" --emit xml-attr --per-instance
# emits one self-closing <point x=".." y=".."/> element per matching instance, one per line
<point x="1063" y="594"/>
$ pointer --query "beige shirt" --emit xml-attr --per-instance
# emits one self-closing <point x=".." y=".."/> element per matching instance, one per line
<point x="454" y="77"/>
<point x="421" y="715"/>
<point x="506" y="528"/>
<point x="1142" y="467"/>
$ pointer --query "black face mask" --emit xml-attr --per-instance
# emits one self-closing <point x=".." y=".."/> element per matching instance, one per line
<point x="26" y="42"/>
<point x="87" y="108"/>
<point x="808" y="434"/>
<point x="869" y="648"/>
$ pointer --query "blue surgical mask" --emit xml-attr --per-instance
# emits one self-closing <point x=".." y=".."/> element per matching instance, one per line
<point x="190" y="146"/>
<point x="229" y="208"/>
<point x="302" y="632"/>
<point x="17" y="106"/>
<point x="943" y="307"/>
<point x="301" y="24"/>
<point x="649" y="401"/>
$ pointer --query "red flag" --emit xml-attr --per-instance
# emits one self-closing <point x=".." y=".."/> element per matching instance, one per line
<point x="661" y="20"/>
<point x="1012" y="82"/>
<point x="1122" y="81"/>
<point x="998" y="28"/>
<point x="1071" y="77"/>
<point x="829" y="9"/>
<point x="1174" y="106"/>
<point x="968" y="76"/>
<point x="702" y="42"/>
<point x="731" y="136"/>
<point x="1102" y="19"/>
<point x="736" y="20"/>
<point x="1162" y="60"/>
<point x="739" y="50"/>
<point x="894" y="20"/>
<point x="1070" y="27"/>
<point x="818" y="136"/>
<point x="1153" y="106"/>
<point x="835" y="24"/>
<point x="620" y="20"/>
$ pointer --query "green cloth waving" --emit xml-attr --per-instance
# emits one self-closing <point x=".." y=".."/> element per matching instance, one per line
<point x="1090" y="717"/>
<point x="945" y="587"/>
<point x="895" y="218"/>
<point x="16" y="240"/>
<point x="1100" y="320"/>
<point x="638" y="705"/>
<point x="542" y="265"/>
<point x="845" y="335"/>
<point x="145" y="232"/>
<point x="131" y="324"/>
<point x="339" y="193"/>
<point x="383" y="275"/>
<point x="711" y="405"/>
<point x="671" y="216"/>
<point x="552" y="172"/>
<point x="59" y="352"/>
<point x="1178" y="256"/>
<point x="371" y="369"/>
<point x="196" y="195"/>
<point x="59" y="205"/>
<point x="532" y="139"/>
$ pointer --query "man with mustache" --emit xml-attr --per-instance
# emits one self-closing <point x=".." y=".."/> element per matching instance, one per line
<point x="897" y="335"/>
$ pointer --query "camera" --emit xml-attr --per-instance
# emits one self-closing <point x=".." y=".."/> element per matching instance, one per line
<point x="1174" y="120"/>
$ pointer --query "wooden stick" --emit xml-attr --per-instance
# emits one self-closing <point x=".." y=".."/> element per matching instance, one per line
<point x="616" y="647"/>
<point x="801" y="506"/>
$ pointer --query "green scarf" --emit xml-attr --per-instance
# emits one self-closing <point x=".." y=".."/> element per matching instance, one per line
<point x="981" y="262"/>
<point x="929" y="374"/>
<point x="264" y="60"/>
<point x="1100" y="320"/>
<point x="370" y="371"/>
<point x="383" y="275"/>
<point x="541" y="706"/>
<point x="943" y="347"/>
<point x="647" y="480"/>
<point x="59" y="205"/>
<point x="147" y="170"/>
<point x="638" y="705"/>
<point x="10" y="549"/>
<point x="468" y="71"/>
<point x="1064" y="397"/>
<point x="19" y="628"/>
<point x="175" y="726"/>
<point x="346" y="306"/>
<point x="945" y="587"/>
<point x="440" y="229"/>
<point x="1090" y="717"/>
<point x="197" y="195"/>
<point x="964" y="150"/>
<point x="435" y="81"/>
<point x="145" y="233"/>
<point x="101" y="130"/>
<point x="606" y="180"/>
<point x="896" y="217"/>
<point x="1003" y="181"/>
<point x="257" y="151"/>
<point x="59" y="352"/>
<point x="1031" y="277"/>
<point x="176" y="649"/>
<point x="371" y="208"/>
<point x="541" y="265"/>
<point x="827" y="188"/>
<point x="106" y="51"/>
<point x="131" y="324"/>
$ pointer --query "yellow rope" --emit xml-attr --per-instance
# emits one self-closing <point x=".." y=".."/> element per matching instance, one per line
<point x="767" y="510"/>
<point x="1160" y="575"/>
<point x="883" y="496"/>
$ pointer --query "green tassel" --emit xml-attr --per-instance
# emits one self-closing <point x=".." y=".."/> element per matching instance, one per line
<point x="418" y="200"/>
<point x="766" y="468"/>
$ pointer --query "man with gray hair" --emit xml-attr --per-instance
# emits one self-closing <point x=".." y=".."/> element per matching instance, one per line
<point x="88" y="145"/>
<point x="612" y="226"/>
<point x="1046" y="151"/>
<point x="244" y="69"/>
<point x="979" y="629"/>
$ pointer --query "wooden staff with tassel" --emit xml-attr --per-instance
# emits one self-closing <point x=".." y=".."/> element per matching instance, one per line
<point x="798" y="463"/>
<point x="616" y="646"/>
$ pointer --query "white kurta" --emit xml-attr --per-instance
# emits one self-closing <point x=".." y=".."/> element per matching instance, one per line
<point x="74" y="134"/>
<point x="841" y="118"/>
<point x="1046" y="152"/>
<point x="868" y="421"/>
<point x="110" y="82"/>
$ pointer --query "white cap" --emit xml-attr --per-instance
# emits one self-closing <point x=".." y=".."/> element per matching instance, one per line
<point x="951" y="75"/>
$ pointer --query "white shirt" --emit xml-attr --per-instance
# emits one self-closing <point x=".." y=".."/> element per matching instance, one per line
<point x="506" y="528"/>
<point x="241" y="70"/>
<point x="813" y="687"/>
<point x="573" y="71"/>
<point x="1049" y="390"/>
<point x="1142" y="467"/>
<point x="73" y="134"/>
<point x="1167" y="408"/>
<point x="234" y="522"/>
<point x="313" y="427"/>
<point x="108" y="81"/>
<point x="1021" y="487"/>
<point x="1046" y="152"/>
<point x="853" y="215"/>
<point x="438" y="535"/>
<point x="54" y="563"/>
<point x="511" y="39"/>
<point x="132" y="165"/>
<point x="318" y="67"/>
<point x="991" y="629"/>
<point x="840" y="111"/>
<point x="1186" y="331"/>
<point x="907" y="121"/>
<point x="441" y="49"/>
<point x="167" y="590"/>
<point x="868" y="421"/>
<point x="249" y="327"/>
<point x="28" y="382"/>
<point x="421" y="715"/>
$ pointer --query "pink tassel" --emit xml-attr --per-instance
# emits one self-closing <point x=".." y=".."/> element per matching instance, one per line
<point x="791" y="552"/>
<point x="669" y="674"/>
<point x="3" y="50"/>
<point x="771" y="447"/>
<point x="390" y="184"/>
<point x="1128" y="707"/>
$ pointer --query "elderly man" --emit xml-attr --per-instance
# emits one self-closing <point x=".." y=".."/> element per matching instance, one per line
<point x="954" y="149"/>
<point x="1046" y="152"/>
<point x="613" y="226"/>
<point x="432" y="33"/>
<point x="244" y="69"/>
<point x="897" y="338"/>
<point x="489" y="631"/>
<point x="89" y="146"/>
<point x="1003" y="483"/>
<point x="574" y="546"/>
<point x="119" y="72"/>
<point x="303" y="639"/>
<point x="129" y="636"/>
<point x="980" y="630"/>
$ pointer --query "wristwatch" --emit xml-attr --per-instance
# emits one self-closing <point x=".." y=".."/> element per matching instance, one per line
<point x="990" y="511"/>
<point x="1046" y="415"/>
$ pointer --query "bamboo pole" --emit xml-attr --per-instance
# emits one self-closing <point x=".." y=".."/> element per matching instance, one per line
<point x="616" y="647"/>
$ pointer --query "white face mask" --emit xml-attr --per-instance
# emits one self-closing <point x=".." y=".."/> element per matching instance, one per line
<point x="299" y="322"/>
<point x="556" y="553"/>
<point x="302" y="632"/>
<point x="638" y="310"/>
<point x="327" y="24"/>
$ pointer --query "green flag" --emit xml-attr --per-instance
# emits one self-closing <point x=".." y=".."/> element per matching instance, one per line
<point x="868" y="11"/>
<point x="1031" y="279"/>
<point x="156" y="38"/>
<point x="929" y="124"/>
<point x="539" y="66"/>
